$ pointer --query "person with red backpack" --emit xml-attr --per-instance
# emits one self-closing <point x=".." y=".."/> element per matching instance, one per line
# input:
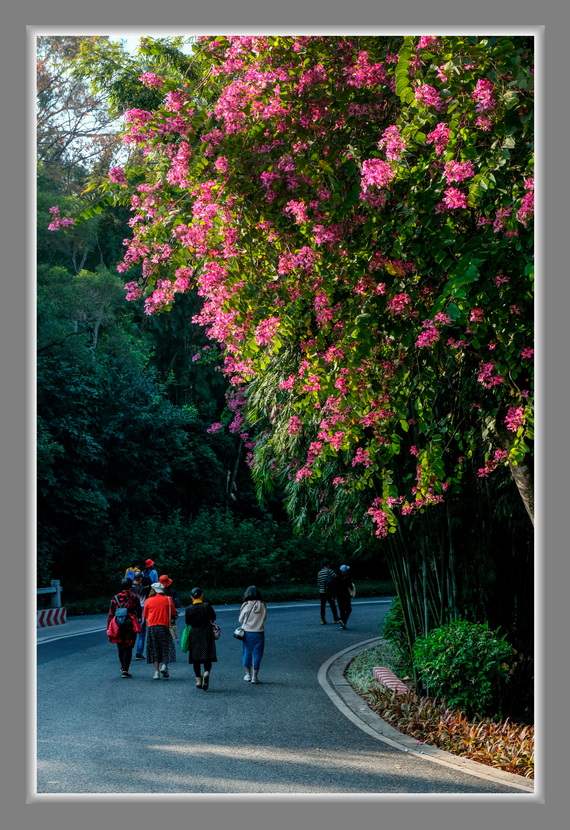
<point x="123" y="625"/>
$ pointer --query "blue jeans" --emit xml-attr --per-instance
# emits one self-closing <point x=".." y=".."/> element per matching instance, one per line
<point x="253" y="646"/>
<point x="141" y="638"/>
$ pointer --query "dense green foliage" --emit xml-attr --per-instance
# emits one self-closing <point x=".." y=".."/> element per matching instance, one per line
<point x="466" y="664"/>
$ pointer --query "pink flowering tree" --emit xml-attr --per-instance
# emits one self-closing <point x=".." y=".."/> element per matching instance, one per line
<point x="356" y="215"/>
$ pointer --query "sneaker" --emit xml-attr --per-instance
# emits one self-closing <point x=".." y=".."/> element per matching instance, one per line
<point x="323" y="622"/>
<point x="163" y="667"/>
<point x="247" y="677"/>
<point x="342" y="625"/>
<point x="335" y="621"/>
<point x="164" y="672"/>
<point x="139" y="656"/>
<point x="254" y="680"/>
<point x="125" y="674"/>
<point x="156" y="675"/>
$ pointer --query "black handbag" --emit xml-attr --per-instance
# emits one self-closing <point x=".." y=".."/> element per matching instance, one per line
<point x="239" y="633"/>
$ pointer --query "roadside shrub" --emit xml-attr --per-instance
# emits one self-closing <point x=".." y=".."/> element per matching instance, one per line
<point x="464" y="663"/>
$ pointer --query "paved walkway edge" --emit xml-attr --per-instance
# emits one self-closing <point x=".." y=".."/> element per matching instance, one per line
<point x="331" y="678"/>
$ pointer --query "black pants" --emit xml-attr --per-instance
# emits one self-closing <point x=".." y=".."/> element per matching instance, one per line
<point x="330" y="599"/>
<point x="344" y="609"/>
<point x="125" y="654"/>
<point x="207" y="667"/>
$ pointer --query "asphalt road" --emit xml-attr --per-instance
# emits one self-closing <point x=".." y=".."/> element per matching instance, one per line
<point x="98" y="733"/>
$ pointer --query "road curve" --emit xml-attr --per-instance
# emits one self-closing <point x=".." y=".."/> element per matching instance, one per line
<point x="97" y="733"/>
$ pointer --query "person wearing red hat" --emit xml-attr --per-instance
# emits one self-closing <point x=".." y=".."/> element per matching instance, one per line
<point x="167" y="582"/>
<point x="150" y="571"/>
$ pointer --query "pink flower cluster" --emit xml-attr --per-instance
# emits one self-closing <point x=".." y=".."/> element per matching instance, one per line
<point x="362" y="456"/>
<point x="379" y="518"/>
<point x="375" y="174"/>
<point x="453" y="198"/>
<point x="439" y="138"/>
<point x="458" y="171"/>
<point x="215" y="427"/>
<point x="178" y="173"/>
<point x="399" y="304"/>
<point x="484" y="123"/>
<point x="514" y="418"/>
<point x="429" y="97"/>
<point x="429" y="336"/>
<point x="526" y="210"/>
<point x="492" y="463"/>
<point x="117" y="174"/>
<point x="328" y="235"/>
<point x="150" y="80"/>
<point x="311" y="77"/>
<point x="476" y="315"/>
<point x="266" y="331"/>
<point x="304" y="260"/>
<point x="57" y="222"/>
<point x="393" y="141"/>
<point x="501" y="216"/>
<point x="487" y="378"/>
<point x="295" y="425"/>
<point x="298" y="210"/>
<point x="287" y="384"/>
<point x="313" y="384"/>
<point x="364" y="73"/>
<point x="430" y="42"/>
<point x="176" y="100"/>
<point x="527" y="352"/>
<point x="134" y="292"/>
<point x="222" y="164"/>
<point x="483" y="95"/>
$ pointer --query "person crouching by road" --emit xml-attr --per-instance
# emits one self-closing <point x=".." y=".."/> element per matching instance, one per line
<point x="252" y="617"/>
<point x="126" y="636"/>
<point x="344" y="589"/>
<point x="158" y="611"/>
<point x="201" y="643"/>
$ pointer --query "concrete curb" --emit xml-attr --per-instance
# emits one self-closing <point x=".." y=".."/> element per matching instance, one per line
<point x="332" y="680"/>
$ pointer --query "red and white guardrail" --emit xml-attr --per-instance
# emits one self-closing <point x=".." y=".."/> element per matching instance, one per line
<point x="387" y="678"/>
<point x="52" y="616"/>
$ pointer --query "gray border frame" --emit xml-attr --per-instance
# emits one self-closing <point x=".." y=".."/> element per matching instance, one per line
<point x="17" y="487"/>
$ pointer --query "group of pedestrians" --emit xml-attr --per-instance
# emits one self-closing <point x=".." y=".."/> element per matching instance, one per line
<point x="339" y="587"/>
<point x="151" y="616"/>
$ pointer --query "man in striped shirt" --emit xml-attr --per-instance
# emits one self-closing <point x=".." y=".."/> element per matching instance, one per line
<point x="326" y="579"/>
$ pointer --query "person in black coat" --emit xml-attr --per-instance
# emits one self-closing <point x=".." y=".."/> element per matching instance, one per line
<point x="344" y="593"/>
<point x="201" y="643"/>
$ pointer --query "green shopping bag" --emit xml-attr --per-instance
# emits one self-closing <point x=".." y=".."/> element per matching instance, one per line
<point x="185" y="639"/>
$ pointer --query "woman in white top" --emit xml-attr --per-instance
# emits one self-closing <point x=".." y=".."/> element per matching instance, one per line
<point x="252" y="618"/>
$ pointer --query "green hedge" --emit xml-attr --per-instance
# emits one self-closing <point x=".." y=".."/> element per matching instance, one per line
<point x="233" y="596"/>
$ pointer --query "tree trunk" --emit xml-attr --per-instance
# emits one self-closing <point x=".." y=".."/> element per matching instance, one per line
<point x="523" y="476"/>
<point x="524" y="479"/>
